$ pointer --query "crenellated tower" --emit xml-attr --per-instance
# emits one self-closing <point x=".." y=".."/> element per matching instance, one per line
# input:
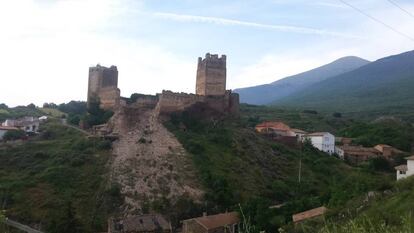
<point x="103" y="86"/>
<point x="211" y="75"/>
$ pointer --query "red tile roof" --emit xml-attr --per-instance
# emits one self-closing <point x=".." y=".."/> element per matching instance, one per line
<point x="278" y="125"/>
<point x="218" y="220"/>
<point x="8" y="128"/>
<point x="309" y="214"/>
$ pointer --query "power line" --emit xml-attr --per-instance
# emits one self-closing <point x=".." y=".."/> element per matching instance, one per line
<point x="401" y="8"/>
<point x="377" y="20"/>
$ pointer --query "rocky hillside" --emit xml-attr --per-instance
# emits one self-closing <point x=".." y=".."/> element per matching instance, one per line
<point x="149" y="163"/>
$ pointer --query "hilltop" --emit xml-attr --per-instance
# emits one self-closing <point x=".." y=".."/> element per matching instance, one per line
<point x="383" y="87"/>
<point x="268" y="93"/>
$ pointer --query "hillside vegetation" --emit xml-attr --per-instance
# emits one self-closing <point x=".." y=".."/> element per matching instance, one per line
<point x="57" y="180"/>
<point x="390" y="131"/>
<point x="390" y="211"/>
<point x="237" y="165"/>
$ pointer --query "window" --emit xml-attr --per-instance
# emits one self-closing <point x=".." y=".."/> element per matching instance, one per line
<point x="402" y="172"/>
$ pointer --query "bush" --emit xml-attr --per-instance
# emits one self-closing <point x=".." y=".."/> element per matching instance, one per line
<point x="337" y="115"/>
<point x="380" y="164"/>
<point x="14" y="135"/>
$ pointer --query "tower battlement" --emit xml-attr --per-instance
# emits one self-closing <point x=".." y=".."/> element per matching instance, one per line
<point x="211" y="75"/>
<point x="212" y="61"/>
<point x="103" y="85"/>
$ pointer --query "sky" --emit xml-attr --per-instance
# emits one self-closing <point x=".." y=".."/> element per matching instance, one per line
<point x="47" y="46"/>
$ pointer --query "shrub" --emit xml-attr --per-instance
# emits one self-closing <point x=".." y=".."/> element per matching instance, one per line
<point x="14" y="135"/>
<point x="337" y="115"/>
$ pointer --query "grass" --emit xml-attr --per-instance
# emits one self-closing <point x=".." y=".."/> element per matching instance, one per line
<point x="387" y="211"/>
<point x="59" y="180"/>
<point x="237" y="165"/>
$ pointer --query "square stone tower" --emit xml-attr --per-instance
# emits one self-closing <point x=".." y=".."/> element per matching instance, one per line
<point x="103" y="86"/>
<point x="211" y="75"/>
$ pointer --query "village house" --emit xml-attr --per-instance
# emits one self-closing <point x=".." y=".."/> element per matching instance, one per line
<point x="276" y="128"/>
<point x="219" y="223"/>
<point x="387" y="151"/>
<point x="323" y="141"/>
<point x="5" y="129"/>
<point x="280" y="132"/>
<point x="356" y="154"/>
<point x="406" y="170"/>
<point x="149" y="223"/>
<point x="28" y="124"/>
<point x="309" y="214"/>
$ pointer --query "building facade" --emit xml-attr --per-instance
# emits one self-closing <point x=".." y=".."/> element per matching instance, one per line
<point x="406" y="170"/>
<point x="28" y="124"/>
<point x="323" y="141"/>
<point x="356" y="154"/>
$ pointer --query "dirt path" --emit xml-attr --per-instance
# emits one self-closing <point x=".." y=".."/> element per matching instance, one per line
<point x="149" y="162"/>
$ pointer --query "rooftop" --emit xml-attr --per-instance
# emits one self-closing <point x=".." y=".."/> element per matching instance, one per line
<point x="299" y="131"/>
<point x="218" y="220"/>
<point x="410" y="157"/>
<point x="278" y="125"/>
<point x="143" y="223"/>
<point x="309" y="214"/>
<point x="402" y="168"/>
<point x="317" y="134"/>
<point x="8" y="128"/>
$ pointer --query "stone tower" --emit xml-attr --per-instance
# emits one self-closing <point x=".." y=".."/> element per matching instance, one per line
<point x="103" y="86"/>
<point x="211" y="75"/>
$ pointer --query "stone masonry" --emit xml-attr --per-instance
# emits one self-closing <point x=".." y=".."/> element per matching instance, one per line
<point x="211" y="75"/>
<point x="103" y="86"/>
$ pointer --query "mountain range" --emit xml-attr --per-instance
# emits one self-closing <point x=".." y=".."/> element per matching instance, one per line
<point x="268" y="93"/>
<point x="349" y="84"/>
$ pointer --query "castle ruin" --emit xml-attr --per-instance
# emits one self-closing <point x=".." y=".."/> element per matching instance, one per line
<point x="103" y="86"/>
<point x="211" y="75"/>
<point x="210" y="90"/>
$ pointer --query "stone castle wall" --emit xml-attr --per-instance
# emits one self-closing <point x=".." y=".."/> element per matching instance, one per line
<point x="211" y="75"/>
<point x="174" y="102"/>
<point x="210" y="89"/>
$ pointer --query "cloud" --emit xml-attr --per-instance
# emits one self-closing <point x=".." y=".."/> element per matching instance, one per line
<point x="380" y="42"/>
<point x="46" y="52"/>
<point x="232" y="22"/>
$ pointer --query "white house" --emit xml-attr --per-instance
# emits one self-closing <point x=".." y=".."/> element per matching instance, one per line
<point x="27" y="124"/>
<point x="323" y="141"/>
<point x="404" y="171"/>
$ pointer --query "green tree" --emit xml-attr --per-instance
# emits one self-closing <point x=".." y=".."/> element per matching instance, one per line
<point x="13" y="135"/>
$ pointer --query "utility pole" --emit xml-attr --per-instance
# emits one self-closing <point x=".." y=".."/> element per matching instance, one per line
<point x="300" y="163"/>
